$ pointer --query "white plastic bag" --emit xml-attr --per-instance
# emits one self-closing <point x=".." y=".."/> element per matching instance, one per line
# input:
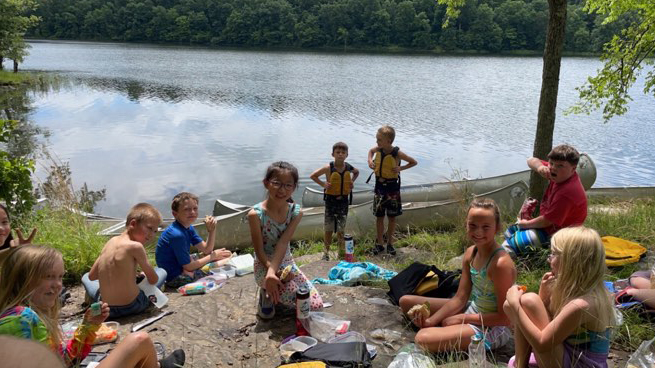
<point x="323" y="326"/>
<point x="414" y="359"/>
<point x="644" y="356"/>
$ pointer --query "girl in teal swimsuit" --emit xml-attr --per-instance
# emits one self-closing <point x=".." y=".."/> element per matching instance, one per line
<point x="568" y="324"/>
<point x="476" y="309"/>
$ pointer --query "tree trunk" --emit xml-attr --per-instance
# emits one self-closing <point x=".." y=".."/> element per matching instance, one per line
<point x="1" y="61"/>
<point x="15" y="66"/>
<point x="543" y="141"/>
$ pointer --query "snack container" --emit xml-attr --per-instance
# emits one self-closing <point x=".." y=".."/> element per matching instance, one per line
<point x="108" y="332"/>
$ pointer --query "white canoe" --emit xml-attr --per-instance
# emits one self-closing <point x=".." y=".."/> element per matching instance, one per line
<point x="623" y="193"/>
<point x="450" y="190"/>
<point x="233" y="231"/>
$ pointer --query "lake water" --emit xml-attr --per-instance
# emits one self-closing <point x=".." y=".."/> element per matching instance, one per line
<point x="147" y="122"/>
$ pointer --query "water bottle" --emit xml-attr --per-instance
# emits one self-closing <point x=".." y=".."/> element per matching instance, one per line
<point x="477" y="355"/>
<point x="350" y="248"/>
<point x="302" y="311"/>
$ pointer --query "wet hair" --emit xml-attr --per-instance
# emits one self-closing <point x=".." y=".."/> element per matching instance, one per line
<point x="581" y="271"/>
<point x="143" y="212"/>
<point x="388" y="132"/>
<point x="341" y="146"/>
<point x="29" y="263"/>
<point x="487" y="204"/>
<point x="180" y="198"/>
<point x="9" y="238"/>
<point x="565" y="152"/>
<point x="276" y="168"/>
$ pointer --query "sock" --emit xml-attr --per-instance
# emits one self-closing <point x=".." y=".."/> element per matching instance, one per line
<point x="173" y="360"/>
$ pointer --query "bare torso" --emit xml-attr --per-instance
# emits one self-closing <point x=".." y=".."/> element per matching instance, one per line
<point x="117" y="272"/>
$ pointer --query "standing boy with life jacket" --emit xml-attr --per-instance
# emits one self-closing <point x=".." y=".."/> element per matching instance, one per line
<point x="338" y="195"/>
<point x="385" y="161"/>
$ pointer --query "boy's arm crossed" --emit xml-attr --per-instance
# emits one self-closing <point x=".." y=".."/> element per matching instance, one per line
<point x="139" y="253"/>
<point x="411" y="162"/>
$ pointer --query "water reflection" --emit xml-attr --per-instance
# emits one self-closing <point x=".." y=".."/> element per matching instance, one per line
<point x="148" y="122"/>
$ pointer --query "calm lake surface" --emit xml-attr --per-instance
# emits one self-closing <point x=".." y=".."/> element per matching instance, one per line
<point x="146" y="122"/>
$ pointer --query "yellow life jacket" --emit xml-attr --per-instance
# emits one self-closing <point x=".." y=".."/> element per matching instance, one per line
<point x="340" y="182"/>
<point x="384" y="164"/>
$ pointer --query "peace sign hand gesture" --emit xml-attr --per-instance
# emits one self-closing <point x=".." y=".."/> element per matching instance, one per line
<point x="21" y="238"/>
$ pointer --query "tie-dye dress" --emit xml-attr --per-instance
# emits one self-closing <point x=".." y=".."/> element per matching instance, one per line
<point x="23" y="322"/>
<point x="271" y="233"/>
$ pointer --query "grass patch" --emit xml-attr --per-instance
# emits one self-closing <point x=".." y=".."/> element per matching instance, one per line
<point x="72" y="236"/>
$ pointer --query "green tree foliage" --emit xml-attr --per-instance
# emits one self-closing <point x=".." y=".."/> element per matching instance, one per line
<point x="14" y="22"/>
<point x="624" y="57"/>
<point x="15" y="173"/>
<point x="482" y="25"/>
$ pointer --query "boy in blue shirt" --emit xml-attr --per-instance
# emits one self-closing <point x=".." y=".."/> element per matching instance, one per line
<point x="173" y="248"/>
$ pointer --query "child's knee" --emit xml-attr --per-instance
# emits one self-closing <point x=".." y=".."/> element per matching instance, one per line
<point x="423" y="338"/>
<point x="139" y="338"/>
<point x="531" y="301"/>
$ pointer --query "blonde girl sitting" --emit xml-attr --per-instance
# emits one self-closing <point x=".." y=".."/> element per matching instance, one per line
<point x="477" y="307"/>
<point x="568" y="323"/>
<point x="29" y="309"/>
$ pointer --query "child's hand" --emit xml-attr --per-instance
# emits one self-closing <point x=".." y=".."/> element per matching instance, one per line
<point x="272" y="284"/>
<point x="328" y="185"/>
<point x="544" y="171"/>
<point x="210" y="223"/>
<point x="546" y="285"/>
<point x="96" y="320"/>
<point x="514" y="295"/>
<point x="219" y="254"/>
<point x="371" y="164"/>
<point x="396" y="169"/>
<point x="21" y="238"/>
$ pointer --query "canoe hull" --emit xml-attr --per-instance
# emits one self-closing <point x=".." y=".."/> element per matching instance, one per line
<point x="452" y="190"/>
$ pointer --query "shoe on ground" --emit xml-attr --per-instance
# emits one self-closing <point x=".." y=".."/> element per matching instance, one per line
<point x="378" y="249"/>
<point x="265" y="307"/>
<point x="391" y="250"/>
<point x="326" y="256"/>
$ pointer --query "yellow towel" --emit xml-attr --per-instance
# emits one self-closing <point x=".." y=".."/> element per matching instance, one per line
<point x="304" y="365"/>
<point x="620" y="252"/>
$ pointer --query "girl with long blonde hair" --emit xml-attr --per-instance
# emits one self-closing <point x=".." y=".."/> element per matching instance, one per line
<point x="29" y="308"/>
<point x="568" y="324"/>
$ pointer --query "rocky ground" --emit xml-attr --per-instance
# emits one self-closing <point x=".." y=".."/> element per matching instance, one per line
<point x="220" y="329"/>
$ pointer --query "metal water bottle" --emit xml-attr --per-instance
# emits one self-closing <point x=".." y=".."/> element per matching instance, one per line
<point x="350" y="248"/>
<point x="302" y="310"/>
<point x="477" y="355"/>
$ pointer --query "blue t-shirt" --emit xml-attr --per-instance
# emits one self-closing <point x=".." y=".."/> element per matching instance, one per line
<point x="172" y="251"/>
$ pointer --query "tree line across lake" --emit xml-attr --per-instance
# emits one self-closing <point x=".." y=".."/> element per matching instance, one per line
<point x="483" y="25"/>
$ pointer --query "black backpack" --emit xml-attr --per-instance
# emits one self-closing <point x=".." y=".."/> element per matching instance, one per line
<point x="346" y="354"/>
<point x="406" y="281"/>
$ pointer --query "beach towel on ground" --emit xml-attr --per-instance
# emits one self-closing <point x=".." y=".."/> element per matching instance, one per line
<point x="620" y="252"/>
<point x="348" y="274"/>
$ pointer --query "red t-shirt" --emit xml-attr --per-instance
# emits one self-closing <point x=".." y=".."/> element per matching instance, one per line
<point x="564" y="204"/>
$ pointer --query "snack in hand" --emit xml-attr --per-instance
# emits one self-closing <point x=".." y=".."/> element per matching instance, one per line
<point x="285" y="272"/>
<point x="419" y="309"/>
<point x="523" y="288"/>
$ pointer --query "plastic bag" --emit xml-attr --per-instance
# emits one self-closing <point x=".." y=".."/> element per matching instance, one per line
<point x="411" y="356"/>
<point x="323" y="326"/>
<point x="382" y="335"/>
<point x="644" y="356"/>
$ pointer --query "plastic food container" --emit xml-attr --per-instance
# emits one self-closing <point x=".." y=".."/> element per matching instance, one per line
<point x="300" y="343"/>
<point x="228" y="270"/>
<point x="108" y="332"/>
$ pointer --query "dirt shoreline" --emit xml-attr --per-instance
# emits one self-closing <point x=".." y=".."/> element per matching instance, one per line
<point x="220" y="329"/>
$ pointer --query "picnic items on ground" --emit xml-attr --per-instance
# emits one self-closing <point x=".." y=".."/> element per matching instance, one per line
<point x="349" y="243"/>
<point x="349" y="274"/>
<point x="421" y="279"/>
<point x="108" y="332"/>
<point x="244" y="264"/>
<point x="644" y="356"/>
<point x="349" y="354"/>
<point x="410" y="356"/>
<point x="323" y="326"/>
<point x="150" y="321"/>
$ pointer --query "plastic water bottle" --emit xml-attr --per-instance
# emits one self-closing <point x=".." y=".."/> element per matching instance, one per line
<point x="477" y="355"/>
<point x="302" y="311"/>
<point x="350" y="248"/>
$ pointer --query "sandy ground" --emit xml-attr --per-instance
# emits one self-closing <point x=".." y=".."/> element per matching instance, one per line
<point x="221" y="329"/>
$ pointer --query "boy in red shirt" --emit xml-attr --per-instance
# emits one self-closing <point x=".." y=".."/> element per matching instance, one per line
<point x="564" y="203"/>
